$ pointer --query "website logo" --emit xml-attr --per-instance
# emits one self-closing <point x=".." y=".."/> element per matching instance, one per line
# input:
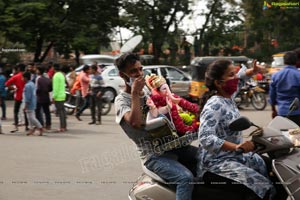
<point x="266" y="5"/>
<point x="282" y="5"/>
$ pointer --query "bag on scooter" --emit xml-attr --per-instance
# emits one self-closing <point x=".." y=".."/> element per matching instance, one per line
<point x="160" y="128"/>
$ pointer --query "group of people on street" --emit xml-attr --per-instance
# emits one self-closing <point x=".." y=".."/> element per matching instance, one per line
<point x="37" y="88"/>
<point x="217" y="154"/>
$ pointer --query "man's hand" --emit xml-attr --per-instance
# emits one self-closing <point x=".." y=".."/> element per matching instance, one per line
<point x="138" y="85"/>
<point x="169" y="102"/>
<point x="150" y="103"/>
<point x="274" y="114"/>
<point x="257" y="68"/>
<point x="274" y="111"/>
<point x="99" y="94"/>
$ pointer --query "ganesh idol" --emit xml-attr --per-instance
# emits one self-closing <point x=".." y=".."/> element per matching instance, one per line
<point x="182" y="113"/>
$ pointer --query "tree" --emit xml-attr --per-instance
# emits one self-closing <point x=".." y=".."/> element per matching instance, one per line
<point x="154" y="19"/>
<point x="221" y="21"/>
<point x="77" y="26"/>
<point x="263" y="26"/>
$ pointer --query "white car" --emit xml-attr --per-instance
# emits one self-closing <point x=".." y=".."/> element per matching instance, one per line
<point x="113" y="82"/>
<point x="100" y="59"/>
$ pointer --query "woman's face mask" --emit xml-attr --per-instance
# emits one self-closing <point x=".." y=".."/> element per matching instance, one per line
<point x="230" y="86"/>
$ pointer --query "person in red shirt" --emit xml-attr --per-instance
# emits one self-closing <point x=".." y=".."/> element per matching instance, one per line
<point x="19" y="83"/>
<point x="51" y="71"/>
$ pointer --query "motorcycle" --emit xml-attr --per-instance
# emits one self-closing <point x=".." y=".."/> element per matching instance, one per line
<point x="277" y="141"/>
<point x="251" y="93"/>
<point x="70" y="104"/>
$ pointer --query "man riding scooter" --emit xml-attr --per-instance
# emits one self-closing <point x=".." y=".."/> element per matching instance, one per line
<point x="131" y="111"/>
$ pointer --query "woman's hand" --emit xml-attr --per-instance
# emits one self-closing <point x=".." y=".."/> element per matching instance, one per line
<point x="247" y="146"/>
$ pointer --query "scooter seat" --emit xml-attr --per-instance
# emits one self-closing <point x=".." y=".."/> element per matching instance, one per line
<point x="152" y="175"/>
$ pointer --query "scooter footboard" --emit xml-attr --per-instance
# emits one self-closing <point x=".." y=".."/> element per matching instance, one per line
<point x="147" y="188"/>
<point x="287" y="170"/>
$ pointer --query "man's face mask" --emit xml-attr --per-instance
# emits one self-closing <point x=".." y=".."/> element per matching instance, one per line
<point x="131" y="80"/>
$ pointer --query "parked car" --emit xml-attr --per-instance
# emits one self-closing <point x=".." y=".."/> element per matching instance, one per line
<point x="100" y="59"/>
<point x="113" y="82"/>
<point x="179" y="80"/>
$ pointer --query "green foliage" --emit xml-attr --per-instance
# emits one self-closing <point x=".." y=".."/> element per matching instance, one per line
<point x="84" y="25"/>
<point x="153" y="19"/>
<point x="87" y="25"/>
<point x="262" y="26"/>
<point x="222" y="25"/>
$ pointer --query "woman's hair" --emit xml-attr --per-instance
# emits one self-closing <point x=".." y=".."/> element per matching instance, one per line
<point x="214" y="71"/>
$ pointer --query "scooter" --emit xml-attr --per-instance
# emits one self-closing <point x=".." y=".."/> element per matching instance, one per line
<point x="276" y="141"/>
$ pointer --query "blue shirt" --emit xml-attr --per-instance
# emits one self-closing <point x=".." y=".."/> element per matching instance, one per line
<point x="2" y="86"/>
<point x="285" y="86"/>
<point x="29" y="96"/>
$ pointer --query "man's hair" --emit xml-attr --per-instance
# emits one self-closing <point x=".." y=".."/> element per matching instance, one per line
<point x="298" y="53"/>
<point x="21" y="67"/>
<point x="126" y="59"/>
<point x="57" y="67"/>
<point x="27" y="75"/>
<point x="85" y="68"/>
<point x="94" y="67"/>
<point x="65" y="69"/>
<point x="290" y="58"/>
<point x="41" y="69"/>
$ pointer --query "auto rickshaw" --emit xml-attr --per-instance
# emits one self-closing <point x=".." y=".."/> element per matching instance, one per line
<point x="277" y="63"/>
<point x="198" y="68"/>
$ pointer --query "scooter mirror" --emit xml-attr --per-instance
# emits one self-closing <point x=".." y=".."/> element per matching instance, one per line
<point x="240" y="124"/>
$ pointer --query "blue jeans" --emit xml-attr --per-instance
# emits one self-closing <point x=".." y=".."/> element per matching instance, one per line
<point x="172" y="167"/>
